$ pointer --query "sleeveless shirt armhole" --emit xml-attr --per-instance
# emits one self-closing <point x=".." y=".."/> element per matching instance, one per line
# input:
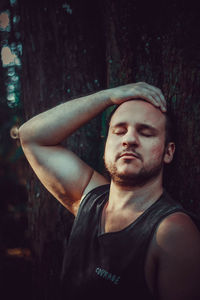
<point x="195" y="219"/>
<point x="178" y="209"/>
<point x="101" y="189"/>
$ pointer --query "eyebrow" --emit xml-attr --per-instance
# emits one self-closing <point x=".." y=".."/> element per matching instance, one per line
<point x="121" y="124"/>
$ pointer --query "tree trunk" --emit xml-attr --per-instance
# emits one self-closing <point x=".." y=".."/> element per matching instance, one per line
<point x="158" y="43"/>
<point x="81" y="47"/>
<point x="63" y="58"/>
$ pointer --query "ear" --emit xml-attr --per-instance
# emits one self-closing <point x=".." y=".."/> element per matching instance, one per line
<point x="169" y="152"/>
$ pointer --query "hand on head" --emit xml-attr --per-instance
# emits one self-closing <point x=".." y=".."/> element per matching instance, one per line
<point x="139" y="90"/>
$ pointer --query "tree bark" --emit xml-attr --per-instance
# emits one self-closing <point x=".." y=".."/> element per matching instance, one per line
<point x="83" y="46"/>
<point x="157" y="43"/>
<point x="63" y="59"/>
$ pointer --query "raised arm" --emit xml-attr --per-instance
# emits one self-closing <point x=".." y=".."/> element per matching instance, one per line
<point x="66" y="176"/>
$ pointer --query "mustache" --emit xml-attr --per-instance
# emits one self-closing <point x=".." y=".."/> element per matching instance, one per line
<point x="129" y="151"/>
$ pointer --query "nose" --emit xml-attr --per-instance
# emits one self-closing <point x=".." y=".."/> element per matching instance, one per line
<point x="130" y="139"/>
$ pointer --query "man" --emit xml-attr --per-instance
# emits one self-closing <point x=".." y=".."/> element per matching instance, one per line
<point x="129" y="238"/>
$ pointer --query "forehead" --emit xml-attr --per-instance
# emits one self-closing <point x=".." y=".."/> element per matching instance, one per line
<point x="137" y="112"/>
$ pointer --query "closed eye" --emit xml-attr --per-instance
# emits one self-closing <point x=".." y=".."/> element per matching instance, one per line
<point x="146" y="130"/>
<point x="119" y="131"/>
<point x="147" y="134"/>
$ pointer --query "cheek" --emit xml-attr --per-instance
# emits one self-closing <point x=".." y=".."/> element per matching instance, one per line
<point x="111" y="149"/>
<point x="108" y="149"/>
<point x="111" y="144"/>
<point x="157" y="150"/>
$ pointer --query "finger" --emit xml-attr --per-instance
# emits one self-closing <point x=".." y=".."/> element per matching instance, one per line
<point x="154" y="99"/>
<point x="149" y="97"/>
<point x="145" y="93"/>
<point x="158" y="100"/>
<point x="162" y="102"/>
<point x="153" y="88"/>
<point x="149" y="93"/>
<point x="158" y="95"/>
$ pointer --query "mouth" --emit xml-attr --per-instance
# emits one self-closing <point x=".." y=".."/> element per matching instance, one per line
<point x="129" y="155"/>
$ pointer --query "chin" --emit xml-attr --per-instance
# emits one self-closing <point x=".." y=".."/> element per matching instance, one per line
<point x="130" y="177"/>
<point x="128" y="171"/>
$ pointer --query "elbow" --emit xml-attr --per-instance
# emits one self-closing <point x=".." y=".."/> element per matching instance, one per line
<point x="24" y="134"/>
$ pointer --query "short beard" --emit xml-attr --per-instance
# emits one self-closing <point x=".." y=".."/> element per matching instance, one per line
<point x="133" y="180"/>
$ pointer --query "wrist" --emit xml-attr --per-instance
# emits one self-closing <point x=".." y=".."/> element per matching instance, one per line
<point x="105" y="97"/>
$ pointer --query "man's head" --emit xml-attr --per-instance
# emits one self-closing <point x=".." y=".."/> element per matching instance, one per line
<point x="138" y="143"/>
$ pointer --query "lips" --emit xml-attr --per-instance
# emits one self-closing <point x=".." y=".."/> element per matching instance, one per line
<point x="129" y="155"/>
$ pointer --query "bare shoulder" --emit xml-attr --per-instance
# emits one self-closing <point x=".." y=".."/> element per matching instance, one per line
<point x="178" y="228"/>
<point x="177" y="241"/>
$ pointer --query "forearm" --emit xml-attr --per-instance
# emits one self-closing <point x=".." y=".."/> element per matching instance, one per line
<point x="53" y="126"/>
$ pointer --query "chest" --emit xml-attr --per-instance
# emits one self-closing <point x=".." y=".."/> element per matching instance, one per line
<point x="117" y="220"/>
<point x="111" y="261"/>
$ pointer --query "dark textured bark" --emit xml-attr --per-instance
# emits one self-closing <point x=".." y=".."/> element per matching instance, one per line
<point x="63" y="58"/>
<point x="157" y="43"/>
<point x="88" y="45"/>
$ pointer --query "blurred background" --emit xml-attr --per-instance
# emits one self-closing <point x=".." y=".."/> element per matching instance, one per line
<point x="15" y="253"/>
<point x="53" y="51"/>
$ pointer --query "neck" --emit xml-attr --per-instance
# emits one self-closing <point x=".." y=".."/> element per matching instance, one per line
<point x="137" y="198"/>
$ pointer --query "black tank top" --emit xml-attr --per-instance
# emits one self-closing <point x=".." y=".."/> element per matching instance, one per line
<point x="110" y="265"/>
